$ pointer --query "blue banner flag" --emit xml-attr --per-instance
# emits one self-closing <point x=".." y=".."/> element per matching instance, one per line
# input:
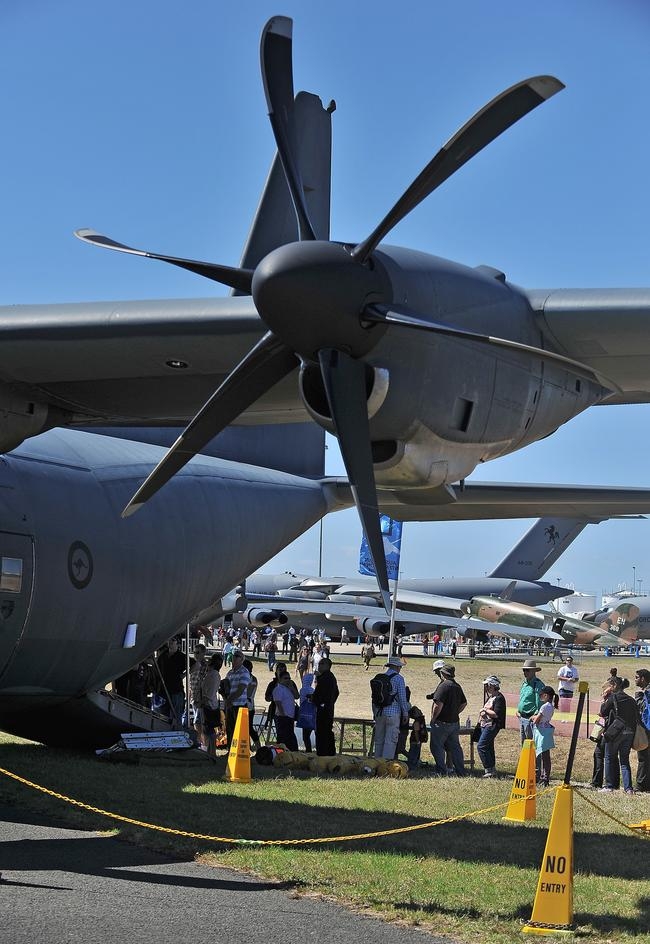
<point x="391" y="532"/>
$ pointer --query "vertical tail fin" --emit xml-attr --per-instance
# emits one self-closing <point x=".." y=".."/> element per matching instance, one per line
<point x="540" y="547"/>
<point x="275" y="219"/>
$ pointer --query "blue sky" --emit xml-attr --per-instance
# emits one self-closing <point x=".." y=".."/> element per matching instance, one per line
<point x="145" y="119"/>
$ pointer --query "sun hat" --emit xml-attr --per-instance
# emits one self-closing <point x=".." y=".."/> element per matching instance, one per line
<point x="531" y="664"/>
<point x="444" y="668"/>
<point x="394" y="662"/>
<point x="492" y="680"/>
<point x="438" y="664"/>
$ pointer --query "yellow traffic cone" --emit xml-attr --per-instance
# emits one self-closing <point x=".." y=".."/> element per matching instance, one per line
<point x="239" y="756"/>
<point x="553" y="907"/>
<point x="522" y="805"/>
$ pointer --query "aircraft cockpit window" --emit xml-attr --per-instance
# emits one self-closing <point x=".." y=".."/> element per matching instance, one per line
<point x="11" y="575"/>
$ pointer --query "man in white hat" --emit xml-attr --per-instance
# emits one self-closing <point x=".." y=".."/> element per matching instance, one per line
<point x="390" y="707"/>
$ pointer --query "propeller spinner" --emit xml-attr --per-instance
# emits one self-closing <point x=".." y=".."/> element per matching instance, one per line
<point x="313" y="295"/>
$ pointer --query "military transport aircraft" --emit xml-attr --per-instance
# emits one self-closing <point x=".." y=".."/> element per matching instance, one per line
<point x="497" y="367"/>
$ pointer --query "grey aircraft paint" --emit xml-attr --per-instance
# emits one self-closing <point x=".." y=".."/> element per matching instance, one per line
<point x="85" y="573"/>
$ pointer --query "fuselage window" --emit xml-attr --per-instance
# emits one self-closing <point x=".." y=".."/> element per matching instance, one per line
<point x="11" y="576"/>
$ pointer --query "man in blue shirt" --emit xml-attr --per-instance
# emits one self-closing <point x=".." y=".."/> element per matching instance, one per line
<point x="389" y="717"/>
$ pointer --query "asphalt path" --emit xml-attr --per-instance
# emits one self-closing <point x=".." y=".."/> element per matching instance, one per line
<point x="63" y="886"/>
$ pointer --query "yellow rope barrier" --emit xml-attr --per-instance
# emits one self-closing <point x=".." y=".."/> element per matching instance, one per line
<point x="634" y="829"/>
<point x="258" y="842"/>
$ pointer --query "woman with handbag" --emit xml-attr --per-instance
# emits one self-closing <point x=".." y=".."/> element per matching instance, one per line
<point x="492" y="717"/>
<point x="621" y="715"/>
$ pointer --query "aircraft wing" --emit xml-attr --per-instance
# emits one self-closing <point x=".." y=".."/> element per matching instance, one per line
<point x="146" y="362"/>
<point x="428" y="602"/>
<point x="511" y="632"/>
<point x="493" y="500"/>
<point x="606" y="329"/>
<point x="350" y="612"/>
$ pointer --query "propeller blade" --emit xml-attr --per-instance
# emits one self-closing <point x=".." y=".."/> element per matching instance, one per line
<point x="264" y="365"/>
<point x="486" y="125"/>
<point x="239" y="279"/>
<point x="277" y="76"/>
<point x="345" y="385"/>
<point x="398" y="315"/>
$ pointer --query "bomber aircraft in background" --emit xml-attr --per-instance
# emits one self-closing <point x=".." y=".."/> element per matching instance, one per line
<point x="327" y="331"/>
<point x="507" y="604"/>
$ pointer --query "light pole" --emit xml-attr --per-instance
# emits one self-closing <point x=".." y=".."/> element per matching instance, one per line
<point x="633" y="579"/>
<point x="320" y="549"/>
<point x="639" y="580"/>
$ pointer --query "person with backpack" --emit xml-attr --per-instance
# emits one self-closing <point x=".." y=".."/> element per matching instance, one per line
<point x="642" y="681"/>
<point x="390" y="707"/>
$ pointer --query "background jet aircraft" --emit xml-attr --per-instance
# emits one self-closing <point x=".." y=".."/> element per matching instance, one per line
<point x="574" y="631"/>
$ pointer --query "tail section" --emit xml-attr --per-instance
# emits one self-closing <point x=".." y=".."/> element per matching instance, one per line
<point x="275" y="220"/>
<point x="540" y="547"/>
<point x="624" y="622"/>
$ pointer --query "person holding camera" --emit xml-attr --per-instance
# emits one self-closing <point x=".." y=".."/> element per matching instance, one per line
<point x="621" y="715"/>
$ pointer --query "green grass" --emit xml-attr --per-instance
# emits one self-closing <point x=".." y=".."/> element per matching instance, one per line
<point x="472" y="880"/>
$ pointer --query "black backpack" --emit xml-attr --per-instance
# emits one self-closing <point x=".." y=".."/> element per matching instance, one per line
<point x="381" y="690"/>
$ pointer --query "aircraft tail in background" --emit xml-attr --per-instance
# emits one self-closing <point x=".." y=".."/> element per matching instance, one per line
<point x="541" y="546"/>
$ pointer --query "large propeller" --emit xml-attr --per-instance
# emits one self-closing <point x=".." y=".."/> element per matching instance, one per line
<point x="322" y="302"/>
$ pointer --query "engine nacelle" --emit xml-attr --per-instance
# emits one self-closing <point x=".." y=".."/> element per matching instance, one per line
<point x="259" y="617"/>
<point x="371" y="626"/>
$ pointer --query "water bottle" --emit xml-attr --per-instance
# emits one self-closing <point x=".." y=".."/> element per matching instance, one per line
<point x="468" y="723"/>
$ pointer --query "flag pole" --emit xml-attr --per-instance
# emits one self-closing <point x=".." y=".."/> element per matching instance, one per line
<point x="391" y="632"/>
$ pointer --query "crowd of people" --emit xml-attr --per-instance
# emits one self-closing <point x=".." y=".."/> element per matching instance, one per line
<point x="222" y="684"/>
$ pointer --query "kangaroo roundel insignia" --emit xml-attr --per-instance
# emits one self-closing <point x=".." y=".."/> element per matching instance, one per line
<point x="80" y="565"/>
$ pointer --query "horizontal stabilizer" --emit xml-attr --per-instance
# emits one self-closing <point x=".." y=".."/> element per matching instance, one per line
<point x="475" y="501"/>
